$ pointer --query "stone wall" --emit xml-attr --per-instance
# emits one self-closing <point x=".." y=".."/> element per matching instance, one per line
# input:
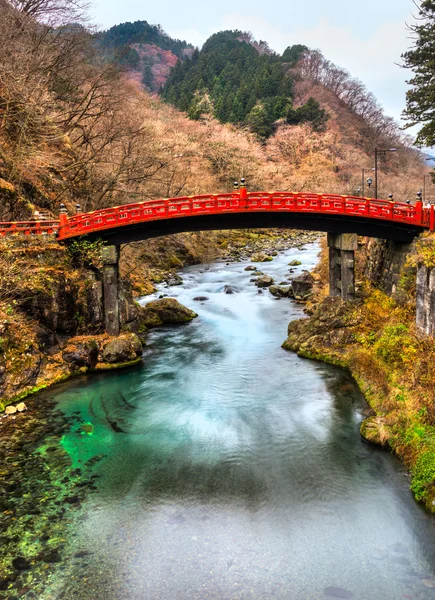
<point x="386" y="263"/>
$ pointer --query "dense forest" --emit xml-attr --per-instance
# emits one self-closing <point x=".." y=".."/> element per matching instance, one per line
<point x="238" y="81"/>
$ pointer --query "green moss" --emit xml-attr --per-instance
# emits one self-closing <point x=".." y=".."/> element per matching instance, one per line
<point x="115" y="366"/>
<point x="423" y="475"/>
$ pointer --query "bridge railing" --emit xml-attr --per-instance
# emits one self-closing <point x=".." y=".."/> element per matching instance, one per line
<point x="29" y="228"/>
<point x="212" y="204"/>
<point x="328" y="204"/>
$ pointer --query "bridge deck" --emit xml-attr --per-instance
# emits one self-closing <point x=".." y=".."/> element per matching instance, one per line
<point x="379" y="218"/>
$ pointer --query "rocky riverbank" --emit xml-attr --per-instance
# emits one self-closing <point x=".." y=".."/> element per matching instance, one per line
<point x="374" y="338"/>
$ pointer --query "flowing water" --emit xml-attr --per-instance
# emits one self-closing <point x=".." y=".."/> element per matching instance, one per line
<point x="232" y="469"/>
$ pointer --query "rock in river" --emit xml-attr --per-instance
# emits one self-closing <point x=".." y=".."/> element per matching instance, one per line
<point x="264" y="281"/>
<point x="303" y="286"/>
<point x="281" y="291"/>
<point x="261" y="257"/>
<point x="167" y="310"/>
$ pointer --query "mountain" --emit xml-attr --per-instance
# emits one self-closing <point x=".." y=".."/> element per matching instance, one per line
<point x="241" y="81"/>
<point x="144" y="50"/>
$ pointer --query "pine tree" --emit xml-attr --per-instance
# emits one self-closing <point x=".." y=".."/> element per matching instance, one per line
<point x="420" y="100"/>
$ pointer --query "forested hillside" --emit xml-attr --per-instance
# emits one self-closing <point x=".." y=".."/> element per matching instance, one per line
<point x="239" y="81"/>
<point x="143" y="49"/>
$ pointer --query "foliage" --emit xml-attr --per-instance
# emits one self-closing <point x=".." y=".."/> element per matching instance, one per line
<point x="424" y="252"/>
<point x="292" y="54"/>
<point x="420" y="100"/>
<point x="396" y="346"/>
<point x="85" y="253"/>
<point x="308" y="113"/>
<point x="140" y="32"/>
<point x="423" y="474"/>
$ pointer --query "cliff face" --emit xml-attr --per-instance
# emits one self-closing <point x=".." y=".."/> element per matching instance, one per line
<point x="52" y="321"/>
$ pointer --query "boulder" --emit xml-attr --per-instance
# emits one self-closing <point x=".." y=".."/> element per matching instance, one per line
<point x="295" y="263"/>
<point x="165" y="311"/>
<point x="119" y="350"/>
<point x="264" y="281"/>
<point x="261" y="257"/>
<point x="21" y="407"/>
<point x="81" y="353"/>
<point x="280" y="291"/>
<point x="250" y="268"/>
<point x="10" y="410"/>
<point x="303" y="286"/>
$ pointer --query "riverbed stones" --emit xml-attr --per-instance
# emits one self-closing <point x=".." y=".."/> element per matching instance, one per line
<point x="165" y="311"/>
<point x="250" y="268"/>
<point x="10" y="410"/>
<point x="261" y="257"/>
<point x="264" y="281"/>
<point x="295" y="263"/>
<point x="21" y="407"/>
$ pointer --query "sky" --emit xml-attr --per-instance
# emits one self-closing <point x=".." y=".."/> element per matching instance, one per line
<point x="367" y="38"/>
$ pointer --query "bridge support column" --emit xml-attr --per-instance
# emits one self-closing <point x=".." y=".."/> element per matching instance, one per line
<point x="426" y="300"/>
<point x="110" y="258"/>
<point x="342" y="248"/>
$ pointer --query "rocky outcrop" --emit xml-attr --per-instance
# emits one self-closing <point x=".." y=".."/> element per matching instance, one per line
<point x="82" y="352"/>
<point x="165" y="311"/>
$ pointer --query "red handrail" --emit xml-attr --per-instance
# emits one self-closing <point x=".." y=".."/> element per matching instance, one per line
<point x="213" y="204"/>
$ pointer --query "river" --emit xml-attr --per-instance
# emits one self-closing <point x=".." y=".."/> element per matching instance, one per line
<point x="229" y="469"/>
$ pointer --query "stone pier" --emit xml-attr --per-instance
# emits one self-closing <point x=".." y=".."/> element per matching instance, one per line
<point x="110" y="259"/>
<point x="426" y="300"/>
<point x="342" y="248"/>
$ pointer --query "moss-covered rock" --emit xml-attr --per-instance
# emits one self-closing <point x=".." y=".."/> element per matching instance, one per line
<point x="122" y="349"/>
<point x="165" y="311"/>
<point x="261" y="257"/>
<point x="373" y="430"/>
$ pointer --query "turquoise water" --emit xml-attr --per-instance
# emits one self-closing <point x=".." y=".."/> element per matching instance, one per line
<point x="230" y="469"/>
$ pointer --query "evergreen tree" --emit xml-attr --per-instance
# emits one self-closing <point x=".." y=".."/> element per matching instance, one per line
<point x="293" y="53"/>
<point x="420" y="100"/>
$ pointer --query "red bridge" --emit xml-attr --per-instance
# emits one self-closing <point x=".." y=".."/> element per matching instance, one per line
<point x="395" y="221"/>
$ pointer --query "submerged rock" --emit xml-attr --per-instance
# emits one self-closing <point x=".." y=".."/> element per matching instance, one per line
<point x="200" y="298"/>
<point x="228" y="289"/>
<point x="166" y="311"/>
